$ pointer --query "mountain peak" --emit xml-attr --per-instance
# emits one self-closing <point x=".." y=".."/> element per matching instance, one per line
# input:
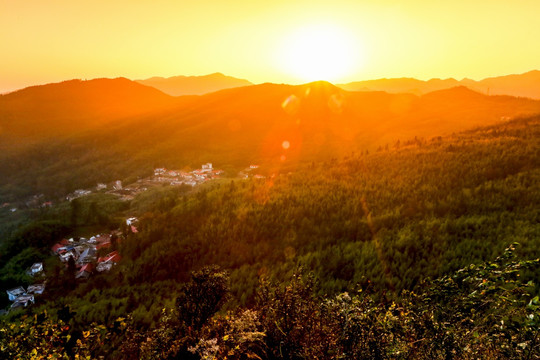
<point x="77" y="103"/>
<point x="320" y="86"/>
<point x="454" y="93"/>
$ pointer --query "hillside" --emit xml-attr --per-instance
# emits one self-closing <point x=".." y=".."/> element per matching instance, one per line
<point x="318" y="120"/>
<point x="236" y="127"/>
<point x="74" y="106"/>
<point x="194" y="85"/>
<point x="384" y="223"/>
<point x="519" y="85"/>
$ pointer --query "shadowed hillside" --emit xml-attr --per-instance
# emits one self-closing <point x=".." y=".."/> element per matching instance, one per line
<point x="72" y="106"/>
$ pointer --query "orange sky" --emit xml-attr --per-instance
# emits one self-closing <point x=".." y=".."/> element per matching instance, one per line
<point x="54" y="40"/>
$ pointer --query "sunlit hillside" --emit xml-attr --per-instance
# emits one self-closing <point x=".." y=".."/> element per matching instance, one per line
<point x="76" y="134"/>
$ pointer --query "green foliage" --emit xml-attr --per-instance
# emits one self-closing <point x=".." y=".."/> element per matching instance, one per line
<point x="481" y="311"/>
<point x="295" y="324"/>
<point x="385" y="221"/>
<point x="39" y="234"/>
<point x="202" y="296"/>
<point x="92" y="211"/>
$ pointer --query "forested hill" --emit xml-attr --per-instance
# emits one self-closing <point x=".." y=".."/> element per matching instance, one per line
<point x="389" y="219"/>
<point x="230" y="128"/>
<point x="69" y="107"/>
<point x="382" y="223"/>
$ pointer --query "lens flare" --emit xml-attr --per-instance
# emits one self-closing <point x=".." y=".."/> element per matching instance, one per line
<point x="285" y="145"/>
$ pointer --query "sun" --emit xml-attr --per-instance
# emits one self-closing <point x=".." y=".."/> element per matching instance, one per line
<point x="319" y="52"/>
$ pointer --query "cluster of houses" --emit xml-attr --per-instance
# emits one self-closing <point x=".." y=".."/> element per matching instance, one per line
<point x="161" y="176"/>
<point x="248" y="172"/>
<point x="117" y="185"/>
<point x="84" y="253"/>
<point x="35" y="201"/>
<point x="192" y="178"/>
<point x="22" y="297"/>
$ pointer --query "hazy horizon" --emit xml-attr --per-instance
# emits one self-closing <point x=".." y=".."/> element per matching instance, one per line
<point x="4" y="91"/>
<point x="283" y="42"/>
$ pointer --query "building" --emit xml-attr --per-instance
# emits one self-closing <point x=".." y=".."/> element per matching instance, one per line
<point x="117" y="185"/>
<point x="37" y="289"/>
<point x="107" y="262"/>
<point x="159" y="171"/>
<point x="15" y="293"/>
<point x="85" y="272"/>
<point x="88" y="255"/>
<point x="23" y="301"/>
<point x="64" y="257"/>
<point x="206" y="167"/>
<point x="36" y="269"/>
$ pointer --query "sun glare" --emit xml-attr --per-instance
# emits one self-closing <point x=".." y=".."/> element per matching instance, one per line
<point x="319" y="52"/>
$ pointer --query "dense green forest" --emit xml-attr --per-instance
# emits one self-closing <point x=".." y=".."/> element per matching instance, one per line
<point x="398" y="253"/>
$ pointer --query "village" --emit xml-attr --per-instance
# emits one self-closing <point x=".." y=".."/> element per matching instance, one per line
<point x="82" y="253"/>
<point x="160" y="176"/>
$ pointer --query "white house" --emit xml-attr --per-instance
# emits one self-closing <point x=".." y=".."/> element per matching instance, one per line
<point x="206" y="167"/>
<point x="15" y="293"/>
<point x="159" y="171"/>
<point x="36" y="268"/>
<point x="117" y="185"/>
<point x="65" y="256"/>
<point x="36" y="289"/>
<point x="104" y="266"/>
<point x="23" y="301"/>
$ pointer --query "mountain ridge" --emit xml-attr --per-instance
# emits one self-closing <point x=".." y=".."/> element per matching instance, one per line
<point x="519" y="85"/>
<point x="194" y="85"/>
<point x="74" y="105"/>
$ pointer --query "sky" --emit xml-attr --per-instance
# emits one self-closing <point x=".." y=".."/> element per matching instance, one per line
<point x="280" y="41"/>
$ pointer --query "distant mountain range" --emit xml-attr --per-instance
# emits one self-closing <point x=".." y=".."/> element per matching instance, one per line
<point x="76" y="133"/>
<point x="522" y="85"/>
<point x="194" y="85"/>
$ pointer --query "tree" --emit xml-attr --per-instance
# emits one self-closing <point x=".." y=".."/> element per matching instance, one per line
<point x="203" y="296"/>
